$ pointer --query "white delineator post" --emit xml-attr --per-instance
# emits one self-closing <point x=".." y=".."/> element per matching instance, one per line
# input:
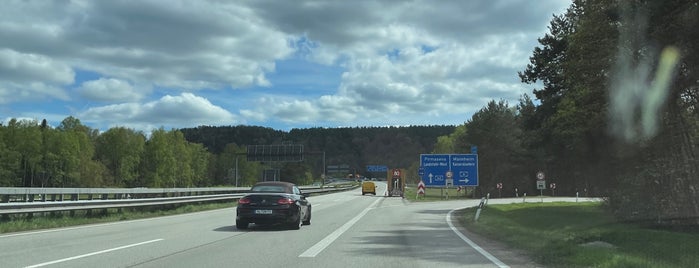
<point x="478" y="211"/>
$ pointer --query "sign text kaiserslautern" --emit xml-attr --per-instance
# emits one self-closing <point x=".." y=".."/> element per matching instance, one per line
<point x="464" y="168"/>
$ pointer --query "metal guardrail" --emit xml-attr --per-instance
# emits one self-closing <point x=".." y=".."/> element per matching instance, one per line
<point x="25" y="194"/>
<point x="60" y="205"/>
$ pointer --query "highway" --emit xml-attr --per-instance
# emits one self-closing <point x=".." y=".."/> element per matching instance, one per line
<point x="347" y="230"/>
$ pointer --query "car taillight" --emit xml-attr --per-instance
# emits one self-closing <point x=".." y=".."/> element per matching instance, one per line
<point x="244" y="201"/>
<point x="285" y="201"/>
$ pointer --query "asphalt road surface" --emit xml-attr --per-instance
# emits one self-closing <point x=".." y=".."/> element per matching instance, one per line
<point x="347" y="230"/>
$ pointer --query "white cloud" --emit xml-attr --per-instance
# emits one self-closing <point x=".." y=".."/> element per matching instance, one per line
<point x="31" y="77"/>
<point x="185" y="110"/>
<point x="109" y="90"/>
<point x="253" y="115"/>
<point x="30" y="92"/>
<point x="411" y="83"/>
<point x="176" y="44"/>
<point x="26" y="67"/>
<point x="412" y="61"/>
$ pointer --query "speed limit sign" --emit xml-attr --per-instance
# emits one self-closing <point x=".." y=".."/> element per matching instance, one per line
<point x="540" y="175"/>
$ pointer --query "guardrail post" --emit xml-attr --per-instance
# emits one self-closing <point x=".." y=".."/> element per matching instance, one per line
<point x="105" y="211"/>
<point x="31" y="198"/>
<point x="6" y="198"/>
<point x="53" y="197"/>
<point x="119" y="196"/>
<point x="89" y="197"/>
<point x="74" y="197"/>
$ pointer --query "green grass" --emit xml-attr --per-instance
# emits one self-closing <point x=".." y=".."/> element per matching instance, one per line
<point x="17" y="223"/>
<point x="434" y="194"/>
<point x="553" y="234"/>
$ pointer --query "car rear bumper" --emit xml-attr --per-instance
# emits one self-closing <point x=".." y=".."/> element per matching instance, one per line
<point x="287" y="215"/>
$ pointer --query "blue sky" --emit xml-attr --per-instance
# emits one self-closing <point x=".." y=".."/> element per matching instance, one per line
<point x="278" y="64"/>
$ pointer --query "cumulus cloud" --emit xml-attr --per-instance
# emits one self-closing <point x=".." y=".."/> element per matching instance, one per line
<point x="405" y="62"/>
<point x="33" y="92"/>
<point x="412" y="82"/>
<point x="177" y="44"/>
<point x="185" y="110"/>
<point x="31" y="77"/>
<point x="109" y="90"/>
<point x="27" y="67"/>
<point x="254" y="115"/>
<point x="411" y="59"/>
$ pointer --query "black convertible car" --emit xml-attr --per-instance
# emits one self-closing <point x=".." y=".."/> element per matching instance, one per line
<point x="274" y="202"/>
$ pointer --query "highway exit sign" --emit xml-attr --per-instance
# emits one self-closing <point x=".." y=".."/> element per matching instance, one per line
<point x="439" y="170"/>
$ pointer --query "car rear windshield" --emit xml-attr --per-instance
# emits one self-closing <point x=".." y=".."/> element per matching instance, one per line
<point x="269" y="188"/>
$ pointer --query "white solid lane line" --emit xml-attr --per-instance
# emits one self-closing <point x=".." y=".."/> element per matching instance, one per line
<point x="480" y="250"/>
<point x="103" y="224"/>
<point x="92" y="254"/>
<point x="322" y="244"/>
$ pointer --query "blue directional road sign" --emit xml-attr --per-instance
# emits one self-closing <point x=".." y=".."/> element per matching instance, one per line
<point x="376" y="168"/>
<point x="463" y="168"/>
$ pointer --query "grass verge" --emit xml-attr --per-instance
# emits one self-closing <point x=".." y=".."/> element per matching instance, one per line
<point x="435" y="194"/>
<point x="17" y="223"/>
<point x="582" y="235"/>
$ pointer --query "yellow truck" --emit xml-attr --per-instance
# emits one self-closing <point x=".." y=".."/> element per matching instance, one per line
<point x="368" y="187"/>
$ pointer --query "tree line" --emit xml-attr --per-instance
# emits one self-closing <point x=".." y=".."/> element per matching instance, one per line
<point x="615" y="112"/>
<point x="354" y="147"/>
<point x="33" y="154"/>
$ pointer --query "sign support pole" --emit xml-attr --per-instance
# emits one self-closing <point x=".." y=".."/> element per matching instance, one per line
<point x="541" y="194"/>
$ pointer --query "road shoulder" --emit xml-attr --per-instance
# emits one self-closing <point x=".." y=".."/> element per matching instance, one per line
<point x="511" y="256"/>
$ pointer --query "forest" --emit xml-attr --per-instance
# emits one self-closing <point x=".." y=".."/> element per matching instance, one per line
<point x="33" y="154"/>
<point x="355" y="148"/>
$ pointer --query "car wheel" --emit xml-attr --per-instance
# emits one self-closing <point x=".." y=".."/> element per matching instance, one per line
<point x="297" y="223"/>
<point x="241" y="224"/>
<point x="308" y="219"/>
<point x="363" y="193"/>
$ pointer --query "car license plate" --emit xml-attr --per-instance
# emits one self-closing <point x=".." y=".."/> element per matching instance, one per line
<point x="263" y="211"/>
